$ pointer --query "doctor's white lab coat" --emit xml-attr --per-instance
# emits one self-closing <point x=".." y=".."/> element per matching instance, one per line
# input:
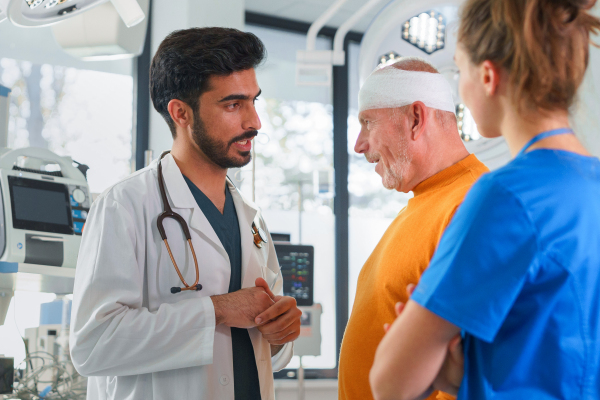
<point x="132" y="336"/>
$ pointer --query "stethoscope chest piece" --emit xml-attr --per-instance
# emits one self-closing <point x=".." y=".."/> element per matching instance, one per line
<point x="260" y="236"/>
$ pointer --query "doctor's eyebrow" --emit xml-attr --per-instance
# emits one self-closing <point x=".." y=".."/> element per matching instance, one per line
<point x="238" y="97"/>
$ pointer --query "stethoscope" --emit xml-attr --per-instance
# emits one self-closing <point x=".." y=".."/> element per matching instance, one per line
<point x="259" y="235"/>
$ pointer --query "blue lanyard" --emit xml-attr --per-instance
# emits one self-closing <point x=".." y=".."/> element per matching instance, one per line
<point x="544" y="135"/>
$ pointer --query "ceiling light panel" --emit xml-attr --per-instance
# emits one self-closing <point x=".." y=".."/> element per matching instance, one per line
<point x="427" y="31"/>
<point x="388" y="59"/>
<point x="467" y="128"/>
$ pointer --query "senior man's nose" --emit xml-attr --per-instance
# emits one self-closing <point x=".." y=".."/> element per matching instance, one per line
<point x="362" y="144"/>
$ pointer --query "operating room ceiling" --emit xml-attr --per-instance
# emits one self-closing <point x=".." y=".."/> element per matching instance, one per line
<point x="310" y="10"/>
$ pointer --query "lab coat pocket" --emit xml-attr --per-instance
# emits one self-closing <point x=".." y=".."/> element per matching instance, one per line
<point x="271" y="278"/>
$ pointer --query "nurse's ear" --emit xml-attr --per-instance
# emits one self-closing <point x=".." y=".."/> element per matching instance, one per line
<point x="491" y="76"/>
<point x="181" y="113"/>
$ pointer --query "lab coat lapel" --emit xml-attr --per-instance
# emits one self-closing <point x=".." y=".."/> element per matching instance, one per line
<point x="246" y="212"/>
<point x="181" y="197"/>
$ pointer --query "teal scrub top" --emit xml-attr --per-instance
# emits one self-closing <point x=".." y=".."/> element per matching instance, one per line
<point x="226" y="226"/>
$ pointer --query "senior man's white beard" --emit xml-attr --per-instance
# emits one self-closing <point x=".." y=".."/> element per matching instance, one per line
<point x="394" y="175"/>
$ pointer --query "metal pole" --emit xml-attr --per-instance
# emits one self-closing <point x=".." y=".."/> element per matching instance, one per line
<point x="148" y="157"/>
<point x="142" y="97"/>
<point x="342" y="198"/>
<point x="300" y="381"/>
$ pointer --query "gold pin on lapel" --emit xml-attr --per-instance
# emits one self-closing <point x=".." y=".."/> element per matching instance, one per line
<point x="260" y="236"/>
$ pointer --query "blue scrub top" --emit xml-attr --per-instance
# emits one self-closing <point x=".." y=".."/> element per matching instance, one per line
<point x="518" y="270"/>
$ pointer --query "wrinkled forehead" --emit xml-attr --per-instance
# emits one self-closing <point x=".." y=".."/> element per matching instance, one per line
<point x="374" y="114"/>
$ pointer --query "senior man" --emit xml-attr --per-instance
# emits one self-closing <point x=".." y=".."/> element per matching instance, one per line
<point x="409" y="129"/>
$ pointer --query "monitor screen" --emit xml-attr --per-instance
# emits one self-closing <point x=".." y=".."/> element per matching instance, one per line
<point x="297" y="267"/>
<point x="40" y="206"/>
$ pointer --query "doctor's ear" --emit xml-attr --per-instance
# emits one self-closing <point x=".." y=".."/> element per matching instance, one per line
<point x="181" y="113"/>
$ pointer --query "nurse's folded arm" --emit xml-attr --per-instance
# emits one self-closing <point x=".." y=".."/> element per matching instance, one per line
<point x="412" y="354"/>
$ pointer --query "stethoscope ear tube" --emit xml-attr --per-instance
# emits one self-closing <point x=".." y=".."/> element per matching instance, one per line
<point x="168" y="213"/>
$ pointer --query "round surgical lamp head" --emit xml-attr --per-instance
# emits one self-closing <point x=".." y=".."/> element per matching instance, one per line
<point x="36" y="13"/>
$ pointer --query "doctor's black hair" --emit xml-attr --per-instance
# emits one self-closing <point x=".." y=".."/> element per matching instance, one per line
<point x="186" y="59"/>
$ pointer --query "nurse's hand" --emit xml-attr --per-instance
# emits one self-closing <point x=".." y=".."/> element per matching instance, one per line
<point x="238" y="309"/>
<point x="451" y="373"/>
<point x="280" y="323"/>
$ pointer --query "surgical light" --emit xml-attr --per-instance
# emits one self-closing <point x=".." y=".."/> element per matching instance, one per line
<point x="388" y="59"/>
<point x="427" y="31"/>
<point x="33" y="3"/>
<point x="53" y="3"/>
<point x="467" y="128"/>
<point x="35" y="13"/>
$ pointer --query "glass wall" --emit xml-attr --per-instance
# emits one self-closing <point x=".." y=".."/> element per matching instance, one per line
<point x="84" y="114"/>
<point x="74" y="108"/>
<point x="294" y="170"/>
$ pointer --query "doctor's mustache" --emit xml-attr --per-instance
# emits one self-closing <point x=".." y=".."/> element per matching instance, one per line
<point x="246" y="135"/>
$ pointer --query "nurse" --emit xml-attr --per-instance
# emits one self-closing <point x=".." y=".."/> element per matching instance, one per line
<point x="133" y="332"/>
<point x="517" y="272"/>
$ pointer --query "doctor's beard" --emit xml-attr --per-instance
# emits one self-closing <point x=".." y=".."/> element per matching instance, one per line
<point x="218" y="151"/>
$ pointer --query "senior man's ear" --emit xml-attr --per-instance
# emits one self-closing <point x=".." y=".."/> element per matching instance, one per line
<point x="417" y="118"/>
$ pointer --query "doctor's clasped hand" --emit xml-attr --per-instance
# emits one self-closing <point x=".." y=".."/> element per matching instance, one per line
<point x="276" y="317"/>
<point x="238" y="309"/>
<point x="280" y="323"/>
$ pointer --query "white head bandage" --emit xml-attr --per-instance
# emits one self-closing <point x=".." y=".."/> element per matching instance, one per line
<point x="392" y="88"/>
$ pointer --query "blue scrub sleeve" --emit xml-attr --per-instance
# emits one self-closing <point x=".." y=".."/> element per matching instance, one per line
<point x="481" y="263"/>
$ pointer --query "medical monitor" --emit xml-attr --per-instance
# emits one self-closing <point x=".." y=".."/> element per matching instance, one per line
<point x="297" y="268"/>
<point x="40" y="206"/>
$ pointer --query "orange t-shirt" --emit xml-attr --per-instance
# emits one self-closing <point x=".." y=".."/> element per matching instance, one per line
<point x="401" y="256"/>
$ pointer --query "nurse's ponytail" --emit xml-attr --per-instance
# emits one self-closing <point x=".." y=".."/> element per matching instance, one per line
<point x="542" y="44"/>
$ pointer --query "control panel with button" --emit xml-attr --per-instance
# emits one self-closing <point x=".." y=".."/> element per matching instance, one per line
<point x="80" y="206"/>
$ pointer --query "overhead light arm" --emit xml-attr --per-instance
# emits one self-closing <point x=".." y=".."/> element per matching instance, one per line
<point x="313" y="31"/>
<point x="339" y="56"/>
<point x="130" y="11"/>
<point x="313" y="67"/>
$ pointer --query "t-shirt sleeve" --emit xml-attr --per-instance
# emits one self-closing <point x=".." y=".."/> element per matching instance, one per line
<point x="481" y="262"/>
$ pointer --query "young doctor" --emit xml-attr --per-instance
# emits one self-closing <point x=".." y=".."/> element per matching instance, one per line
<point x="181" y="306"/>
<point x="517" y="272"/>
